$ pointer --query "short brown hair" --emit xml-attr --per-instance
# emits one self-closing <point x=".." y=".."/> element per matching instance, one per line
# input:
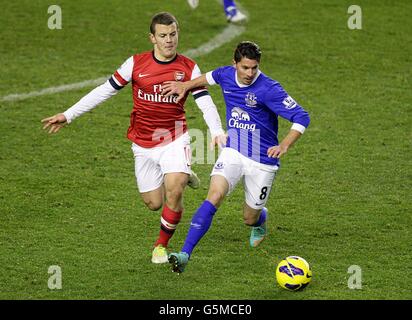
<point x="247" y="49"/>
<point x="164" y="18"/>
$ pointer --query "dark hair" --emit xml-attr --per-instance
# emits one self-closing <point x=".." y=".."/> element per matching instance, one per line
<point x="247" y="49"/>
<point x="165" y="18"/>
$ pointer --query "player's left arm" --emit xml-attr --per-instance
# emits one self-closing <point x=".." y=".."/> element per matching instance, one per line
<point x="205" y="103"/>
<point x="283" y="147"/>
<point x="285" y="106"/>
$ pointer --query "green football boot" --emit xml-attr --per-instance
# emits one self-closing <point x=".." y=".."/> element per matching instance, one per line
<point x="258" y="233"/>
<point x="178" y="261"/>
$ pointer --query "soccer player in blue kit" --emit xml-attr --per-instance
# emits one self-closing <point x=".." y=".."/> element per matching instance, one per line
<point x="233" y="14"/>
<point x="253" y="103"/>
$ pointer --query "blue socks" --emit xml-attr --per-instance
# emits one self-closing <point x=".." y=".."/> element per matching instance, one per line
<point x="230" y="7"/>
<point x="201" y="222"/>
<point x="262" y="218"/>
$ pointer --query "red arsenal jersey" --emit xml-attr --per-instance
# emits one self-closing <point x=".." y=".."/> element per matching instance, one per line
<point x="155" y="118"/>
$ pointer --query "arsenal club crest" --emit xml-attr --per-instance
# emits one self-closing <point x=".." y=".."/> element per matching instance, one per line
<point x="179" y="75"/>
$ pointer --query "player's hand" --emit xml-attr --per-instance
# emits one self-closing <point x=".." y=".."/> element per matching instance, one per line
<point x="219" y="140"/>
<point x="54" y="123"/>
<point x="277" y="151"/>
<point x="174" y="87"/>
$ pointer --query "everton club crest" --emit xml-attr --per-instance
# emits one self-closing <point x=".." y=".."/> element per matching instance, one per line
<point x="251" y="100"/>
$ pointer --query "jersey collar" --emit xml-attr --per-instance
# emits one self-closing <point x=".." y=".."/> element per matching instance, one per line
<point x="163" y="62"/>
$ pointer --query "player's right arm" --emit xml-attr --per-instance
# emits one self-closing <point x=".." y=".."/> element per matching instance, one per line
<point x="95" y="97"/>
<point x="181" y="88"/>
<point x="205" y="103"/>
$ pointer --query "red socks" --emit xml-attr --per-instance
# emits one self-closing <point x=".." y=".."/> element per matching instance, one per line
<point x="169" y="221"/>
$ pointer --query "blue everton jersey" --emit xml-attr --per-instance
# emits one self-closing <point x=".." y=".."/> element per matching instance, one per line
<point x="252" y="113"/>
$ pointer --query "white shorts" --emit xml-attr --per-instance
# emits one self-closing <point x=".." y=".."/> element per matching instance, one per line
<point x="151" y="164"/>
<point x="257" y="177"/>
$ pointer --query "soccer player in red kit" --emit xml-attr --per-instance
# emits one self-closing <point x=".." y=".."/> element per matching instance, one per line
<point x="158" y="130"/>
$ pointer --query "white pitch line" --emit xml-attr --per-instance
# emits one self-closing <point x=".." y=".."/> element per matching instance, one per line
<point x="228" y="34"/>
<point x="52" y="90"/>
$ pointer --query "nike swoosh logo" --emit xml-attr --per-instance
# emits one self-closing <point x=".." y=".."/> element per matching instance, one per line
<point x="258" y="204"/>
<point x="141" y="75"/>
<point x="225" y="91"/>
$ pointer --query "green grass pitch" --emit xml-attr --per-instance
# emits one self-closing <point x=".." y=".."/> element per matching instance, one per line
<point x="341" y="198"/>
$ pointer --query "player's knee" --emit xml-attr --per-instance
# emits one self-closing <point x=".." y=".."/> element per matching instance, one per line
<point x="153" y="205"/>
<point x="174" y="196"/>
<point x="215" y="197"/>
